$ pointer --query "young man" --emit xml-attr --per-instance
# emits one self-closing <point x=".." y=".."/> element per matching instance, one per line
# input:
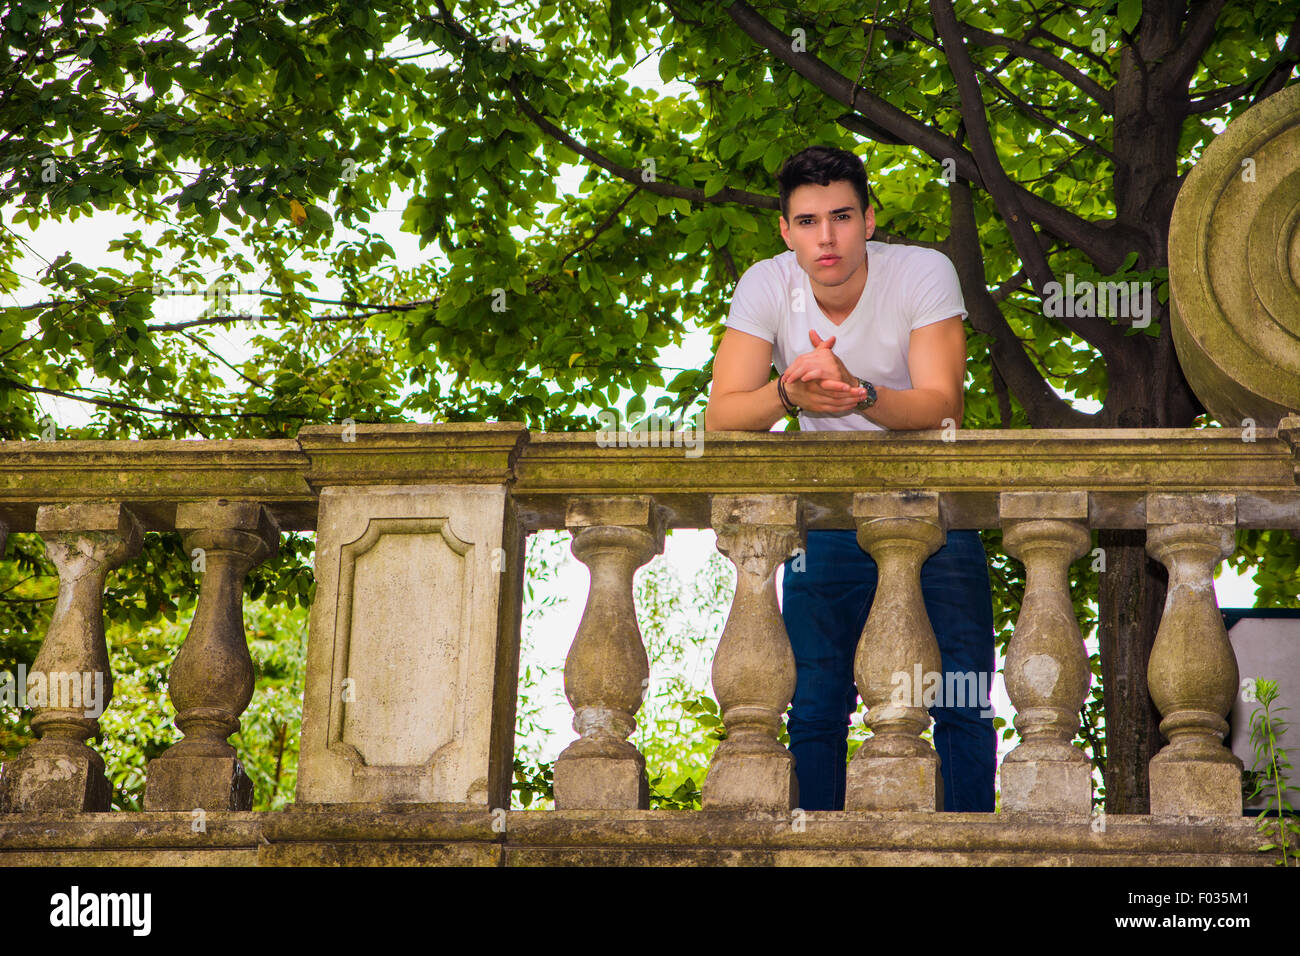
<point x="864" y="336"/>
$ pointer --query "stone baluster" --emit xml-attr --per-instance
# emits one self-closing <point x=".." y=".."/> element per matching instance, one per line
<point x="211" y="681"/>
<point x="71" y="683"/>
<point x="607" y="672"/>
<point x="1047" y="666"/>
<point x="753" y="669"/>
<point x="1192" y="673"/>
<point x="895" y="769"/>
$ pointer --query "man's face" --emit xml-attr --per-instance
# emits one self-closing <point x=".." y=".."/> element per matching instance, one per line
<point x="828" y="231"/>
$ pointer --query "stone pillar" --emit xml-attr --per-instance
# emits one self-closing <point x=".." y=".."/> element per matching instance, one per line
<point x="606" y="672"/>
<point x="413" y="654"/>
<point x="895" y="769"/>
<point x="753" y="669"/>
<point x="211" y="680"/>
<point x="71" y="672"/>
<point x="1192" y="674"/>
<point x="1047" y="667"/>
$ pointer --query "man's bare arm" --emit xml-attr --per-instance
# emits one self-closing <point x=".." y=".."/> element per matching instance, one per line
<point x="936" y="364"/>
<point x="741" y="398"/>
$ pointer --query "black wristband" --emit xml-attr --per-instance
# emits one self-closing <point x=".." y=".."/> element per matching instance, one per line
<point x="791" y="408"/>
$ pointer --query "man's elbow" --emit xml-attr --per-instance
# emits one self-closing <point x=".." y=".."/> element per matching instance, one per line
<point x="718" y="417"/>
<point x="711" y="417"/>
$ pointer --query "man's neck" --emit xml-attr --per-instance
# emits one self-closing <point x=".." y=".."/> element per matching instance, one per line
<point x="838" y="302"/>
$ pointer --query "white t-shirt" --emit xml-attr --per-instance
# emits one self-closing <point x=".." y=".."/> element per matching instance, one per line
<point x="907" y="287"/>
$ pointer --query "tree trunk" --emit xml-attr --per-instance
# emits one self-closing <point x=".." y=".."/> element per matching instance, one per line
<point x="1131" y="598"/>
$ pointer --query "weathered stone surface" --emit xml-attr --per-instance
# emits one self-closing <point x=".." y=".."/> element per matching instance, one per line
<point x="895" y="769"/>
<point x="1047" y="671"/>
<point x="755" y="776"/>
<point x="211" y="681"/>
<point x="1234" y="258"/>
<point x="380" y="854"/>
<point x="1211" y="509"/>
<point x="152" y="477"/>
<point x="1192" y="672"/>
<point x="335" y="835"/>
<point x="1117" y="467"/>
<point x="413" y="656"/>
<point x="753" y="668"/>
<point x="57" y="775"/>
<point x="130" y="839"/>
<point x="888" y="782"/>
<point x="364" y="455"/>
<point x="1046" y="785"/>
<point x="601" y="775"/>
<point x="606" y="672"/>
<point x="59" y="771"/>
<point x="175" y="782"/>
<point x="1202" y="788"/>
<point x="1054" y="505"/>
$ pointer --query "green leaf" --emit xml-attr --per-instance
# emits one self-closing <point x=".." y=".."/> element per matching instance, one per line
<point x="1130" y="12"/>
<point x="668" y="64"/>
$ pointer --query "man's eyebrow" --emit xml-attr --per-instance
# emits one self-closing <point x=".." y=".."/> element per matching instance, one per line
<point x="813" y="215"/>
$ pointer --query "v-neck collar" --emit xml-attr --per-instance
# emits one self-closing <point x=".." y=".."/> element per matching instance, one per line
<point x="860" y="307"/>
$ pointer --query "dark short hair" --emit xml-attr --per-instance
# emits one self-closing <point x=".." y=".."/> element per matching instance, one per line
<point x="823" y="165"/>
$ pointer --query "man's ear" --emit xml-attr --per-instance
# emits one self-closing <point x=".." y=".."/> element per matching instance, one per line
<point x="870" y="219"/>
<point x="785" y="231"/>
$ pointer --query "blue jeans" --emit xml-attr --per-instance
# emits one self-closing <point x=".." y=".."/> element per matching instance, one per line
<point x="825" y="607"/>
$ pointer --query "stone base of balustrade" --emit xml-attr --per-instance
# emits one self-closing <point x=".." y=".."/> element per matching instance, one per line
<point x="36" y="781"/>
<point x="1048" y="786"/>
<point x="197" y="783"/>
<point x="1193" y="787"/>
<point x="762" y="780"/>
<point x="417" y="836"/>
<point x="586" y="781"/>
<point x="893" y="783"/>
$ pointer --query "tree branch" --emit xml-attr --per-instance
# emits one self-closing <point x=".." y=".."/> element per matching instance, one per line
<point x="1097" y="241"/>
<point x="1003" y="396"/>
<point x="1014" y="284"/>
<point x="1182" y="63"/>
<point x="220" y="358"/>
<point x="1044" y="407"/>
<point x="609" y="221"/>
<point x="1037" y="31"/>
<point x="1042" y="57"/>
<point x="725" y="254"/>
<point x="656" y="186"/>
<point x="996" y="180"/>
<point x="1038" y="114"/>
<point x="129" y="407"/>
<point x="635" y="176"/>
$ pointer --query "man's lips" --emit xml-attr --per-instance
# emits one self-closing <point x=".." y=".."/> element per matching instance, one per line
<point x="827" y="260"/>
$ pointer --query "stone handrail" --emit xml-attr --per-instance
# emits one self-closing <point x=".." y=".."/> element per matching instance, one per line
<point x="414" y="637"/>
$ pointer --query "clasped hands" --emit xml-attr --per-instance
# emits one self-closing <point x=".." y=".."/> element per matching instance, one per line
<point x="817" y="381"/>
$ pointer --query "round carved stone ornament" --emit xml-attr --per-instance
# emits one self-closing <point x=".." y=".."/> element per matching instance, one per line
<point x="1234" y="267"/>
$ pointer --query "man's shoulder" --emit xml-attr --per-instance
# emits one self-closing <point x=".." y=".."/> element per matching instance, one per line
<point x="782" y="268"/>
<point x="905" y="256"/>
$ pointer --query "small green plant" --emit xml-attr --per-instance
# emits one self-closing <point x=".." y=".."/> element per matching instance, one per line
<point x="1269" y="774"/>
<point x="686" y="796"/>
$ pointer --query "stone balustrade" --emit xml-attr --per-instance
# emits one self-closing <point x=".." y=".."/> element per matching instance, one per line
<point x="414" y="637"/>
